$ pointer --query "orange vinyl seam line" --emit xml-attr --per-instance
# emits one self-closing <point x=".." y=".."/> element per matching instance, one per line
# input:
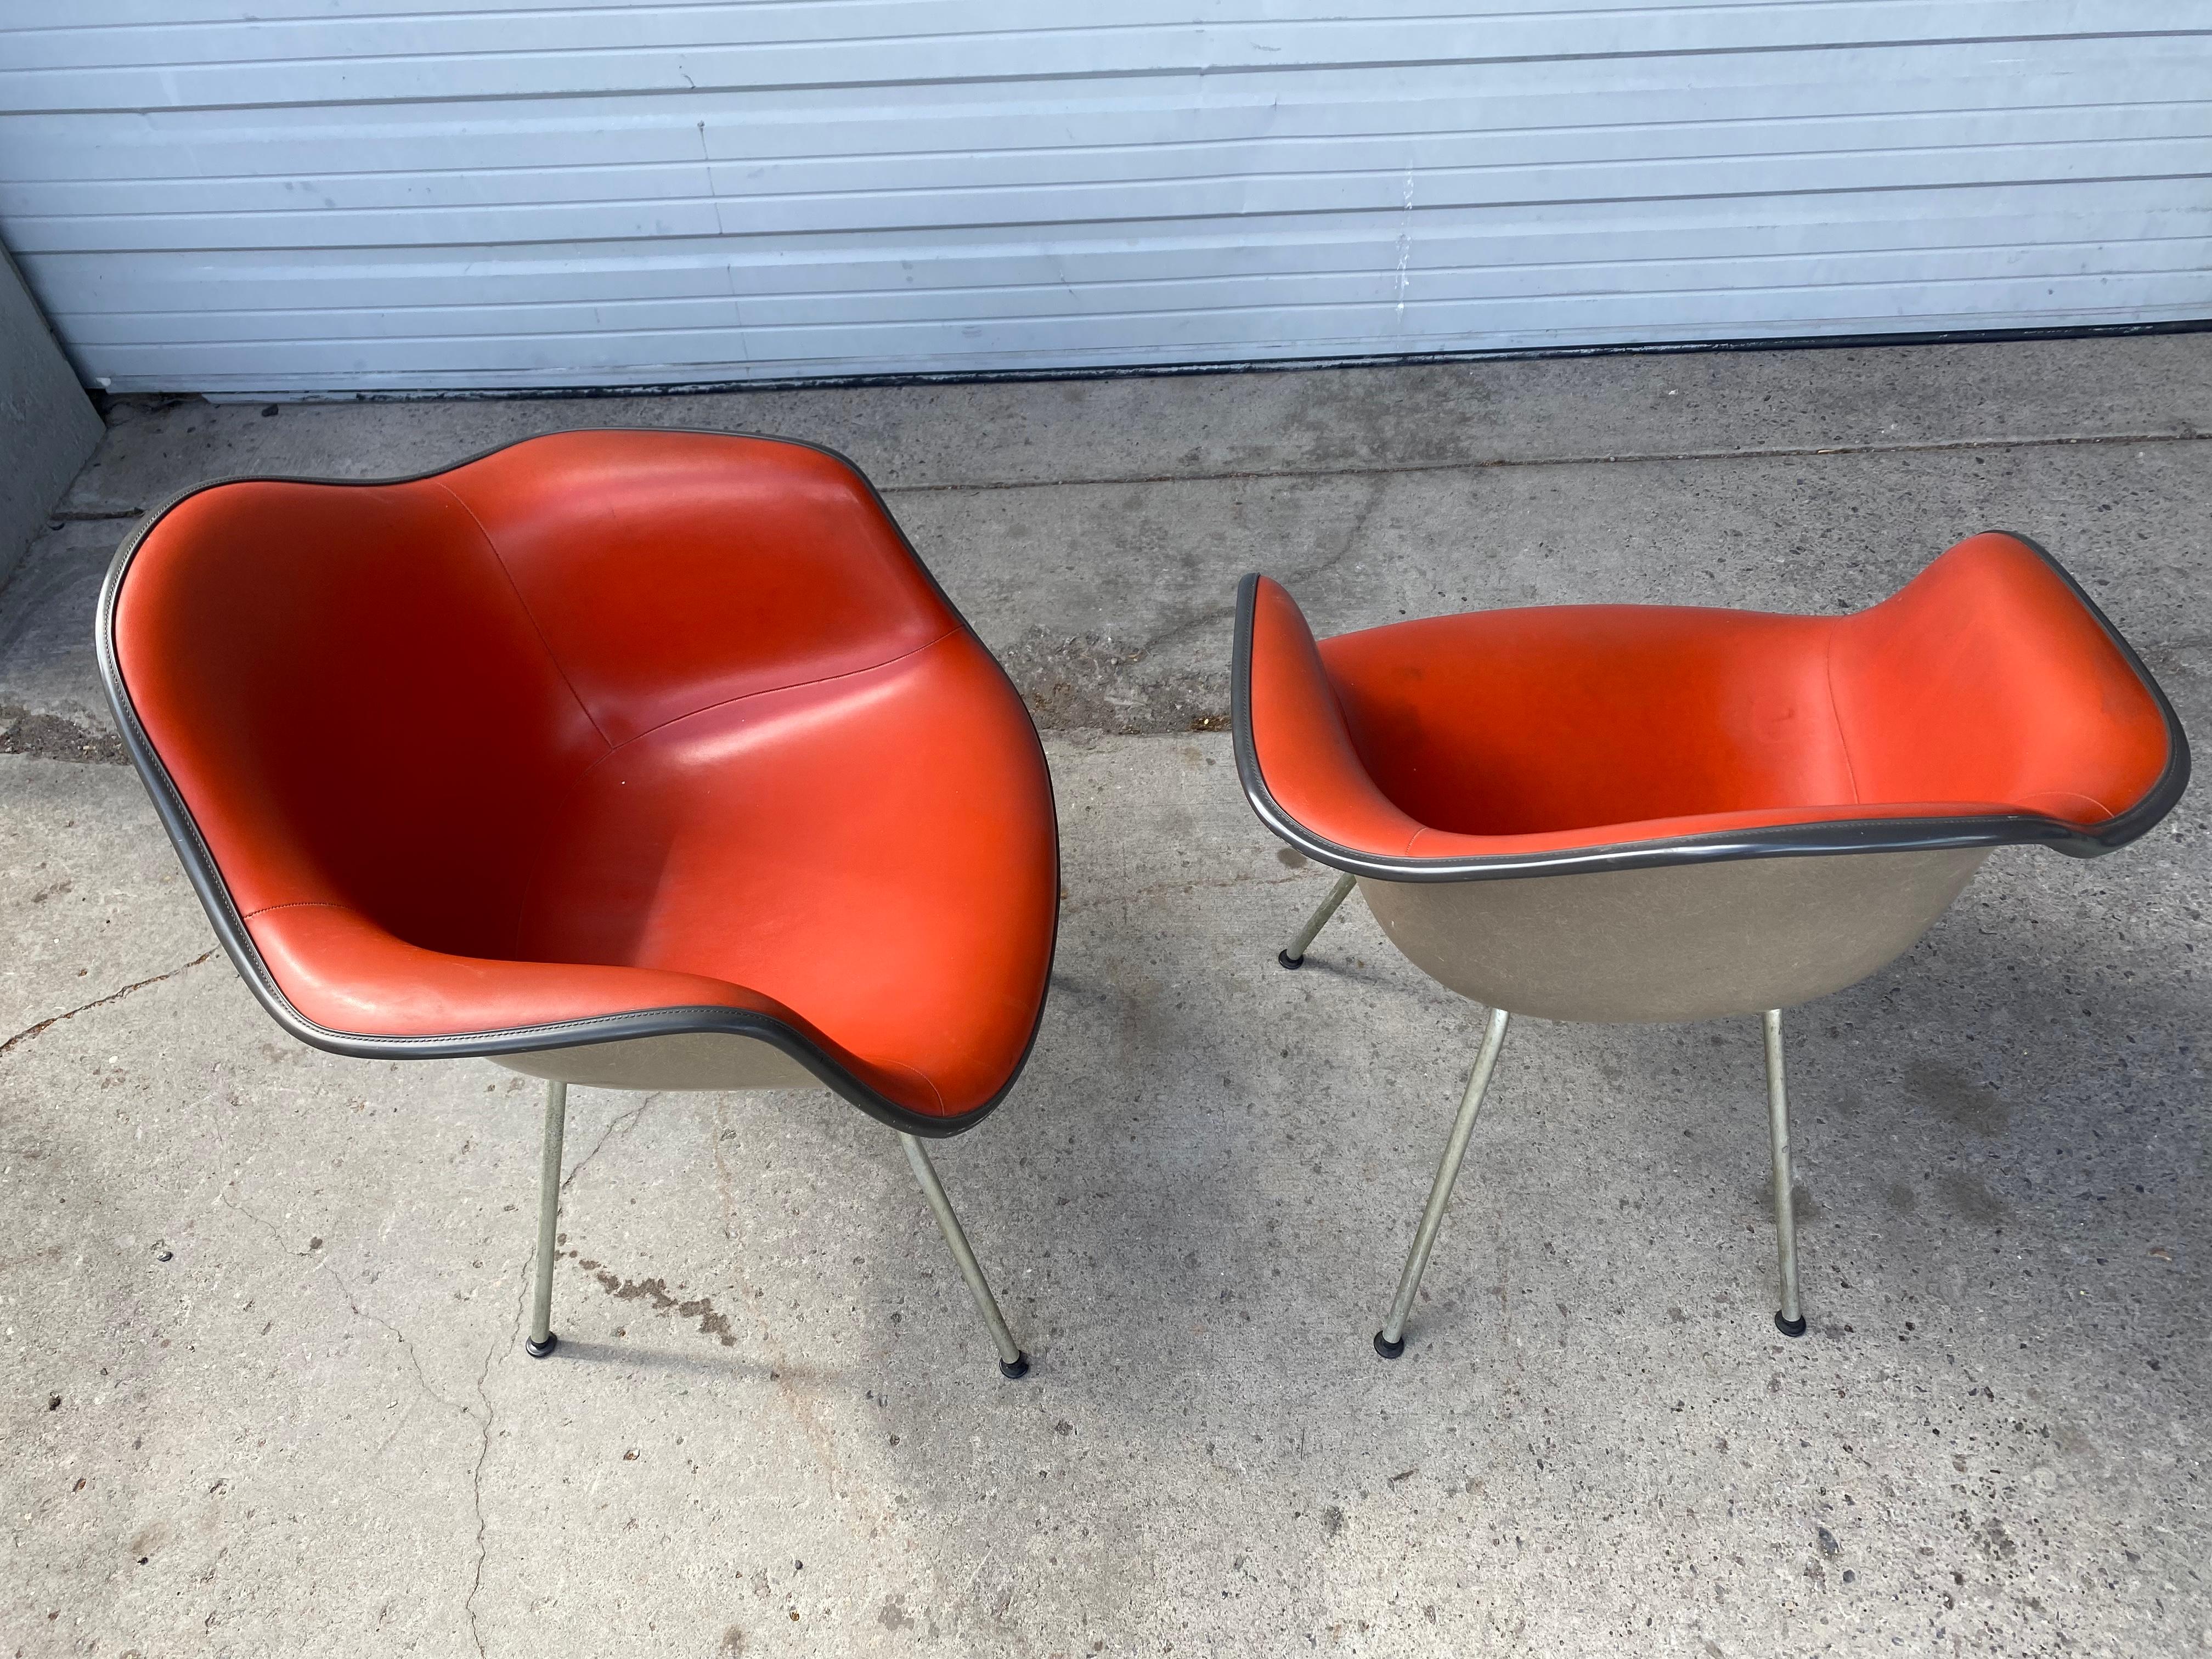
<point x="522" y="898"/>
<point x="1835" y="714"/>
<point x="514" y="587"/>
<point x="767" y="691"/>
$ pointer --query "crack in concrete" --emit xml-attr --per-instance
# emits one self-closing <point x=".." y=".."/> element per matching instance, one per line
<point x="485" y="1421"/>
<point x="1785" y="452"/>
<point x="488" y="1420"/>
<point x="1352" y="535"/>
<point x="621" y="1120"/>
<point x="484" y="1453"/>
<point x="323" y="1264"/>
<point x="1074" y="682"/>
<point x="407" y="1345"/>
<point x="1214" y="613"/>
<point x="31" y="1031"/>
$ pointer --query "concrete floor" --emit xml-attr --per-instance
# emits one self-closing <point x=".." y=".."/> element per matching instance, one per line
<point x="262" y="1386"/>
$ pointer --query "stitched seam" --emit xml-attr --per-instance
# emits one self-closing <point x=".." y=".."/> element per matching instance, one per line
<point x="295" y="904"/>
<point x="765" y="691"/>
<point x="1835" y="714"/>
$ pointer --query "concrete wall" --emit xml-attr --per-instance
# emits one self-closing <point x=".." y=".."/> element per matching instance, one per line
<point x="48" y="428"/>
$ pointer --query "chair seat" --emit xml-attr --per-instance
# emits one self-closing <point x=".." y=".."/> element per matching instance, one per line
<point x="1987" y="702"/>
<point x="872" y="853"/>
<point x="605" y="736"/>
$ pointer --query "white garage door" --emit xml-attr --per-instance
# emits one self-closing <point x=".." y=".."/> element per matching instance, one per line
<point x="267" y="195"/>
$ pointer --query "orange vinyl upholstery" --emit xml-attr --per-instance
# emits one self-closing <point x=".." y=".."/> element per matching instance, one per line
<point x="604" y="734"/>
<point x="1987" y="702"/>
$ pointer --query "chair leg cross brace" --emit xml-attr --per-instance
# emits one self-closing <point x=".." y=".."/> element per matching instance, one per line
<point x="1390" y="1341"/>
<point x="1012" y="1362"/>
<point x="1296" y="956"/>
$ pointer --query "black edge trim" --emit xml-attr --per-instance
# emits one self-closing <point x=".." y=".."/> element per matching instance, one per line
<point x="1778" y="841"/>
<point x="207" y="881"/>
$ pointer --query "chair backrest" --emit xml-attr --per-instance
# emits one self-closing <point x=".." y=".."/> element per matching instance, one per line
<point x="670" y="571"/>
<point x="1988" y="683"/>
<point x="378" y="695"/>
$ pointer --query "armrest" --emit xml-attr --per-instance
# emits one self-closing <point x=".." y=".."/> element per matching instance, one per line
<point x="1300" y="768"/>
<point x="1992" y="677"/>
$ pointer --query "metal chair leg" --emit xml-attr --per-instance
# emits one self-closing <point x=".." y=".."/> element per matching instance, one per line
<point x="1296" y="956"/>
<point x="542" y="1341"/>
<point x="1390" y="1341"/>
<point x="1011" y="1361"/>
<point x="1789" y="1321"/>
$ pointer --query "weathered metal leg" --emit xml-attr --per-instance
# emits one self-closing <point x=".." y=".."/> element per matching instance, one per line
<point x="1789" y="1321"/>
<point x="542" y="1341"/>
<point x="1390" y="1341"/>
<point x="1296" y="956"/>
<point x="1012" y="1362"/>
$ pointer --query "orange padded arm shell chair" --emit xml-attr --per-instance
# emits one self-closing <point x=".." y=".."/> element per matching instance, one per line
<point x="639" y="759"/>
<point x="1642" y="812"/>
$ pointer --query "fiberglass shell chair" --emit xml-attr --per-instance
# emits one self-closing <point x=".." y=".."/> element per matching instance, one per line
<point x="1642" y="812"/>
<point x="639" y="760"/>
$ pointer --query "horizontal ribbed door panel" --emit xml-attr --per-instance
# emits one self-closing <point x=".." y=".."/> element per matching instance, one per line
<point x="555" y="194"/>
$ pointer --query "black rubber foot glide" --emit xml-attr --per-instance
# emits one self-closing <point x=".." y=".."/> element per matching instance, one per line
<point x="537" y="1350"/>
<point x="1788" y="1327"/>
<point x="1015" y="1369"/>
<point x="1290" y="961"/>
<point x="1386" y="1348"/>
